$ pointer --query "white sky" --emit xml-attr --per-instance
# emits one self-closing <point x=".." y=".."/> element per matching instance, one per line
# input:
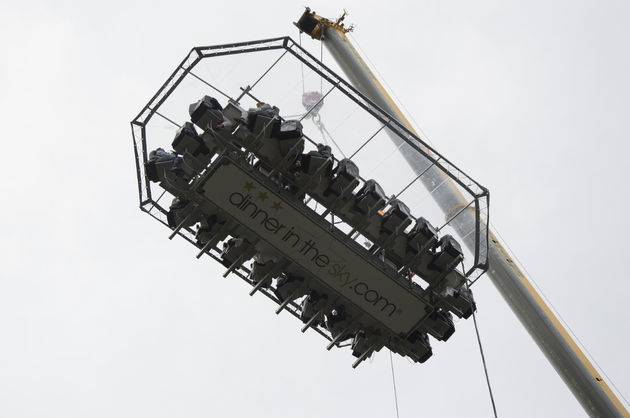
<point x="101" y="315"/>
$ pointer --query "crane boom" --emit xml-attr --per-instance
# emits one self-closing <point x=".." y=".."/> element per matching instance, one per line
<point x="563" y="353"/>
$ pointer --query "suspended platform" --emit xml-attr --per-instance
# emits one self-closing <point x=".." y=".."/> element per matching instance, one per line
<point x="333" y="229"/>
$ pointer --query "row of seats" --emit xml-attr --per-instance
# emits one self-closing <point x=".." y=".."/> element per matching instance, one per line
<point x="289" y="283"/>
<point x="421" y="251"/>
<point x="430" y="258"/>
<point x="278" y="145"/>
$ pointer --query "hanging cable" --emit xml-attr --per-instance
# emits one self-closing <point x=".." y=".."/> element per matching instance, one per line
<point x="321" y="59"/>
<point x="391" y="362"/>
<point x="333" y="141"/>
<point x="483" y="360"/>
<point x="302" y="64"/>
<point x="324" y="132"/>
<point x="323" y="137"/>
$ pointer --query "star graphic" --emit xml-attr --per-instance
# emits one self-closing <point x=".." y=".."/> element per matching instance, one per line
<point x="276" y="206"/>
<point x="263" y="196"/>
<point x="249" y="186"/>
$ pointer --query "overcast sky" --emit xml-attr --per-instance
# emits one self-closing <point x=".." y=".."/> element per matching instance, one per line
<point x="101" y="315"/>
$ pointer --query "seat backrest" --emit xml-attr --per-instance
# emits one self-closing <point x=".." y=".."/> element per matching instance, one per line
<point x="397" y="217"/>
<point x="316" y="162"/>
<point x="422" y="233"/>
<point x="188" y="141"/>
<point x="289" y="129"/>
<point x="292" y="146"/>
<point x="156" y="171"/>
<point x="204" y="114"/>
<point x="268" y="151"/>
<point x="233" y="111"/>
<point x="371" y="187"/>
<point x="179" y="211"/>
<point x="369" y="197"/>
<point x="150" y="171"/>
<point x="263" y="126"/>
<point x="451" y="246"/>
<point x="347" y="168"/>
<point x="399" y="208"/>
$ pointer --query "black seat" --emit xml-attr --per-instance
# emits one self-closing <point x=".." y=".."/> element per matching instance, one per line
<point x="263" y="126"/>
<point x="311" y="163"/>
<point x="151" y="171"/>
<point x="290" y="148"/>
<point x="460" y="302"/>
<point x="206" y="113"/>
<point x="208" y="226"/>
<point x="369" y="198"/>
<point x="439" y="324"/>
<point x="156" y="167"/>
<point x="178" y="211"/>
<point x="449" y="254"/>
<point x="269" y="112"/>
<point x="419" y="348"/>
<point x="289" y="129"/>
<point x="344" y="179"/>
<point x="421" y="236"/>
<point x="188" y="141"/>
<point x="466" y="300"/>
<point x="396" y="218"/>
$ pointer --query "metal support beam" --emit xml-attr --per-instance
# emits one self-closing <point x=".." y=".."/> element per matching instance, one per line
<point x="363" y="356"/>
<point x="313" y="319"/>
<point x="286" y="301"/>
<point x="182" y="223"/>
<point x="563" y="353"/>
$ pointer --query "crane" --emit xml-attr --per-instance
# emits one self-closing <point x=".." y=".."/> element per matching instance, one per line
<point x="587" y="385"/>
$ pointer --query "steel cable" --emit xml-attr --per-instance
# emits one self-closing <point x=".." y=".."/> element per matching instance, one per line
<point x="485" y="368"/>
<point x="391" y="361"/>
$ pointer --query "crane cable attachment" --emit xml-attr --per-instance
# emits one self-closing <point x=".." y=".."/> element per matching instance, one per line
<point x="313" y="101"/>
